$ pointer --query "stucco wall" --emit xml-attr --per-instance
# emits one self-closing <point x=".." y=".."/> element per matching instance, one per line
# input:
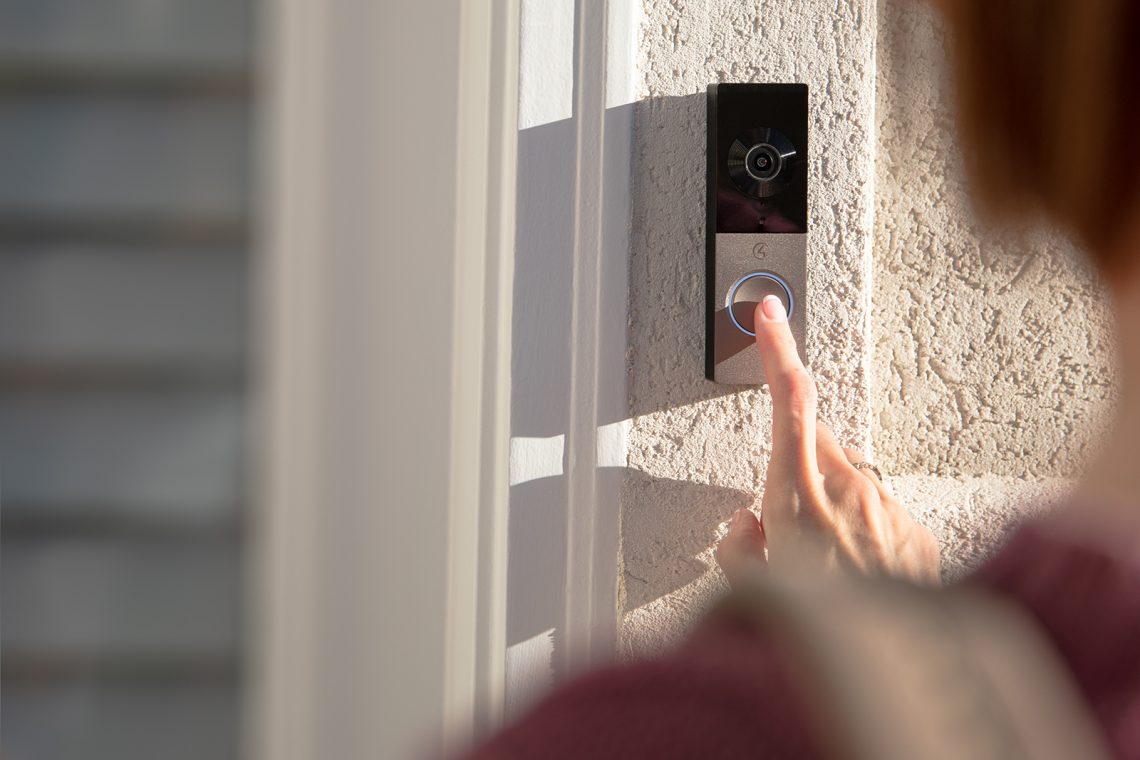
<point x="970" y="517"/>
<point x="989" y="353"/>
<point x="978" y="396"/>
<point x="698" y="451"/>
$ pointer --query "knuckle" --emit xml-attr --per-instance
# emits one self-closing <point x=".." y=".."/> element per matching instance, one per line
<point x="864" y="492"/>
<point x="802" y="393"/>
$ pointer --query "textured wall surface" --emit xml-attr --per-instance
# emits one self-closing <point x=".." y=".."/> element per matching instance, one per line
<point x="969" y="516"/>
<point x="986" y="374"/>
<point x="989" y="352"/>
<point x="697" y="451"/>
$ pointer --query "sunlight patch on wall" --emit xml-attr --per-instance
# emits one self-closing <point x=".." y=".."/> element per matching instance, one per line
<point x="622" y="23"/>
<point x="535" y="458"/>
<point x="613" y="444"/>
<point x="546" y="62"/>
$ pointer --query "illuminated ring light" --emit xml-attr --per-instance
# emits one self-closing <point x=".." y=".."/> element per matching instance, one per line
<point x="768" y="276"/>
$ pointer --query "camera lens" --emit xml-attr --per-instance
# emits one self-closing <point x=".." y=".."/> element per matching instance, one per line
<point x="762" y="162"/>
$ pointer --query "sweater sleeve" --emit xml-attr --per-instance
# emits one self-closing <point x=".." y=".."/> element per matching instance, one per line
<point x="725" y="694"/>
<point x="729" y="691"/>
<point x="1084" y="591"/>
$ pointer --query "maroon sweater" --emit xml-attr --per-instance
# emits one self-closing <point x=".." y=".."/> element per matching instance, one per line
<point x="726" y="693"/>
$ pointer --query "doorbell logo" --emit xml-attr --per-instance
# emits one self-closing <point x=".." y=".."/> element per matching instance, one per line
<point x="760" y="251"/>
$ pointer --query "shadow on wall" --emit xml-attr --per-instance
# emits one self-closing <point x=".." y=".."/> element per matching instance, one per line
<point x="542" y="430"/>
<point x="667" y="524"/>
<point x="540" y="398"/>
<point x="546" y="443"/>
<point x="667" y="258"/>
<point x="674" y="521"/>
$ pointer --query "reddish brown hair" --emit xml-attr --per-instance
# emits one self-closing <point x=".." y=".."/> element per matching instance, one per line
<point x="1049" y="111"/>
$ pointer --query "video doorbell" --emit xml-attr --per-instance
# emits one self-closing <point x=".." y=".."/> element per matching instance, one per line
<point x="756" y="228"/>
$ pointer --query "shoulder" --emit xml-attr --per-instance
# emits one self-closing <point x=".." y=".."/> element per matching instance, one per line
<point x="725" y="694"/>
<point x="1082" y="586"/>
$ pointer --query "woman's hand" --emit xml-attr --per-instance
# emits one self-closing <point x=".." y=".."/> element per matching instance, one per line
<point x="818" y="511"/>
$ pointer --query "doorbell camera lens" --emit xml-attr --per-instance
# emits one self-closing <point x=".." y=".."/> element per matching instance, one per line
<point x="761" y="162"/>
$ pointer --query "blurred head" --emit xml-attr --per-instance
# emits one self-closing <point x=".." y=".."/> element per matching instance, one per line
<point x="1049" y="110"/>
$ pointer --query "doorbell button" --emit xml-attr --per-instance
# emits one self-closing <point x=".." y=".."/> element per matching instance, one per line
<point x="747" y="292"/>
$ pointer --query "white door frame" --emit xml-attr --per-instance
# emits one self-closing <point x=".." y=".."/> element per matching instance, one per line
<point x="387" y="207"/>
<point x="569" y="407"/>
<point x="388" y="210"/>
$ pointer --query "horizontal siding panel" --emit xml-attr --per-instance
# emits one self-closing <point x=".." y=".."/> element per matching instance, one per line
<point x="81" y="306"/>
<point x="153" y="32"/>
<point x="81" y="155"/>
<point x="125" y="151"/>
<point x="84" y="599"/>
<point x="120" y="722"/>
<point x="157" y="455"/>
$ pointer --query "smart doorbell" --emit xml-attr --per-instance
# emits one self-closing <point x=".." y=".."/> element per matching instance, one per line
<point x="756" y="227"/>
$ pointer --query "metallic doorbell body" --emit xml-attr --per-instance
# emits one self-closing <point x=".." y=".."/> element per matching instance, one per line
<point x="756" y="227"/>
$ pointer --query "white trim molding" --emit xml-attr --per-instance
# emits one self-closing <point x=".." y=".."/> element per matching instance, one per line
<point x="604" y="68"/>
<point x="481" y="368"/>
<point x="386" y="264"/>
<point x="569" y="409"/>
<point x="591" y="596"/>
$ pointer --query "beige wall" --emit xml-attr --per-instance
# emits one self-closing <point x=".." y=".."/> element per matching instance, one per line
<point x="697" y="451"/>
<point x="977" y="397"/>
<point x="990" y="355"/>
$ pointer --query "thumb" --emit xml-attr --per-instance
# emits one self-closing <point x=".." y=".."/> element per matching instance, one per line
<point x="741" y="552"/>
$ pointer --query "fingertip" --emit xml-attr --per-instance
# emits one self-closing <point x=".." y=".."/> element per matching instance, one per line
<point x="771" y="324"/>
<point x="772" y="309"/>
<point x="743" y="547"/>
<point x="744" y="523"/>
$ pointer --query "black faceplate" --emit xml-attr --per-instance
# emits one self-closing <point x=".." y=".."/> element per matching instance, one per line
<point x="738" y="109"/>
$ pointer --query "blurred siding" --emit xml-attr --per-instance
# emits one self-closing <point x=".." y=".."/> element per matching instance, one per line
<point x="125" y="131"/>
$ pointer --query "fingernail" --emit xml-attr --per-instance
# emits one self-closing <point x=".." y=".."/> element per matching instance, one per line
<point x="773" y="308"/>
<point x="737" y="519"/>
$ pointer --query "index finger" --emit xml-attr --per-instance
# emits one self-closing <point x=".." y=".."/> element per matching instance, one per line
<point x="793" y="393"/>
